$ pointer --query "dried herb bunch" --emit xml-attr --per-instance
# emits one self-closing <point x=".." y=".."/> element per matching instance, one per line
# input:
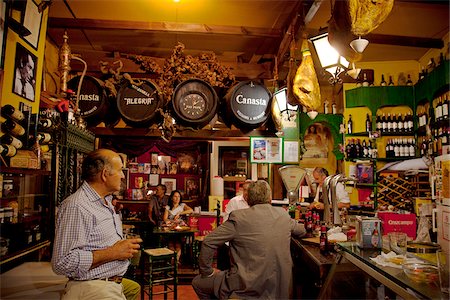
<point x="179" y="67"/>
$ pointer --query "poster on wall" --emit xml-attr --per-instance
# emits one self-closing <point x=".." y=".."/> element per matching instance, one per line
<point x="266" y="150"/>
<point x="32" y="21"/>
<point x="316" y="141"/>
<point x="24" y="73"/>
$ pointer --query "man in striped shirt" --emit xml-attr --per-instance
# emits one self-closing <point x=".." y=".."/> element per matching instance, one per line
<point x="89" y="246"/>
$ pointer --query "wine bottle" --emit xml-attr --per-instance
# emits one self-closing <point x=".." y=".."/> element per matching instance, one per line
<point x="400" y="123"/>
<point x="410" y="122"/>
<point x="387" y="149"/>
<point x="438" y="110"/>
<point x="389" y="123"/>
<point x="358" y="149"/>
<point x="383" y="82"/>
<point x="401" y="147"/>
<point x="411" y="148"/>
<point x="365" y="149"/>
<point x="323" y="240"/>
<point x="348" y="149"/>
<point x="13" y="127"/>
<point x="333" y="108"/>
<point x="350" y="125"/>
<point x="45" y="123"/>
<point x="325" y="107"/>
<point x="43" y="138"/>
<point x="391" y="82"/>
<point x="9" y="112"/>
<point x="7" y="150"/>
<point x="384" y="124"/>
<point x="445" y="107"/>
<point x="11" y="140"/>
<point x="394" y="123"/>
<point x="409" y="81"/>
<point x="422" y="74"/>
<point x="365" y="81"/>
<point x="368" y="123"/>
<point x="396" y="148"/>
<point x="378" y="123"/>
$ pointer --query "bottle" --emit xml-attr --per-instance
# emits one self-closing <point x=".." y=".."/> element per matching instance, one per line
<point x="410" y="123"/>
<point x="350" y="125"/>
<point x="9" y="112"/>
<point x="396" y="148"/>
<point x="394" y="123"/>
<point x="325" y="107"/>
<point x="348" y="149"/>
<point x="44" y="137"/>
<point x="388" y="149"/>
<point x="400" y="123"/>
<point x="11" y="140"/>
<point x="365" y="81"/>
<point x="365" y="149"/>
<point x="13" y="127"/>
<point x="378" y="123"/>
<point x="402" y="148"/>
<point x="389" y="123"/>
<point x="333" y="108"/>
<point x="391" y="82"/>
<point x="7" y="150"/>
<point x="323" y="240"/>
<point x="422" y="74"/>
<point x="445" y="107"/>
<point x="375" y="236"/>
<point x="45" y="123"/>
<point x="383" y="82"/>
<point x="358" y="149"/>
<point x="391" y="148"/>
<point x="411" y="148"/>
<point x="384" y="123"/>
<point x="409" y="81"/>
<point x="368" y="123"/>
<point x="438" y="110"/>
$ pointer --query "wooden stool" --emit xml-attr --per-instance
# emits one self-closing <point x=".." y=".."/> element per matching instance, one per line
<point x="196" y="247"/>
<point x="159" y="268"/>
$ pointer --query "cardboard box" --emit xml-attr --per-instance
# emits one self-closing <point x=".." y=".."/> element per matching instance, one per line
<point x="26" y="159"/>
<point x="368" y="232"/>
<point x="391" y="221"/>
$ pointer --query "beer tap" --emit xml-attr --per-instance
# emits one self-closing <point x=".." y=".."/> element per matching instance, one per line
<point x="326" y="200"/>
<point x="335" y="208"/>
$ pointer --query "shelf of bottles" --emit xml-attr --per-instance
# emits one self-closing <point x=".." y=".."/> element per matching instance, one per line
<point x="434" y="127"/>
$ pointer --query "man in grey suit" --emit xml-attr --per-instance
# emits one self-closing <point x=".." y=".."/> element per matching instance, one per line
<point x="260" y="257"/>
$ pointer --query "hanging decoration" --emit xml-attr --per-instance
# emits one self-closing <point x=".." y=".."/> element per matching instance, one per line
<point x="367" y="15"/>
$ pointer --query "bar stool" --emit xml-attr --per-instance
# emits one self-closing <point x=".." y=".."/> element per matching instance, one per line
<point x="159" y="269"/>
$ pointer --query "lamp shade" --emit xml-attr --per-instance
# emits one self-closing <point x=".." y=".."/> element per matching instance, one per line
<point x="329" y="58"/>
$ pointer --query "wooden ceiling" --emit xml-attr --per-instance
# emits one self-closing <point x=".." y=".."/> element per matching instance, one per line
<point x="249" y="36"/>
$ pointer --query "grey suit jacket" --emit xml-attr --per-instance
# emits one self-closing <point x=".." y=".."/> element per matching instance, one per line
<point x="261" y="264"/>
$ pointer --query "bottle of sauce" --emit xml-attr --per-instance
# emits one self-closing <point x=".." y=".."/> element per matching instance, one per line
<point x="323" y="245"/>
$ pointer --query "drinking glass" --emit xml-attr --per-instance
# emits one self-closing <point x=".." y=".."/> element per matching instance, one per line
<point x="443" y="263"/>
<point x="397" y="242"/>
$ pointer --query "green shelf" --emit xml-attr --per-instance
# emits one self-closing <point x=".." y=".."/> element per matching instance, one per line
<point x="434" y="83"/>
<point x="375" y="97"/>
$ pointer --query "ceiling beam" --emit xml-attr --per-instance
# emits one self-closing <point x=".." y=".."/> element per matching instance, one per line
<point x="408" y="41"/>
<point x="85" y="24"/>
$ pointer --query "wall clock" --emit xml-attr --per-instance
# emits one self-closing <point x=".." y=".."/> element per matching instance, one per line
<point x="194" y="103"/>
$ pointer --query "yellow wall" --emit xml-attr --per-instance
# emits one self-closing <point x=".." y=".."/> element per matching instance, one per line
<point x="12" y="38"/>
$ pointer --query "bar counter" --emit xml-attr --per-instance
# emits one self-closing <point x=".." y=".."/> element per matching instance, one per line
<point x="348" y="272"/>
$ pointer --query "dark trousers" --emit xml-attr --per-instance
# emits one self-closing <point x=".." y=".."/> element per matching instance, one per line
<point x="204" y="287"/>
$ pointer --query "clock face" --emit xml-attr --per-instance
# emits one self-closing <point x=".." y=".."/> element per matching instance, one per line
<point x="193" y="106"/>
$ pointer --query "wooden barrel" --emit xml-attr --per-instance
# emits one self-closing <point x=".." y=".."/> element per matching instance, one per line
<point x="247" y="104"/>
<point x="138" y="104"/>
<point x="194" y="103"/>
<point x="94" y="104"/>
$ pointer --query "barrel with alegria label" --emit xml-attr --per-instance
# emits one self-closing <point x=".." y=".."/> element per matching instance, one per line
<point x="248" y="104"/>
<point x="138" y="103"/>
<point x="93" y="103"/>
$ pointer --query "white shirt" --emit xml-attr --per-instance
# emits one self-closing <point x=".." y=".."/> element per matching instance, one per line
<point x="341" y="194"/>
<point x="235" y="203"/>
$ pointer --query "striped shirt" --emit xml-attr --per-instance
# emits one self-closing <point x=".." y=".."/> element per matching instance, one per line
<point x="84" y="224"/>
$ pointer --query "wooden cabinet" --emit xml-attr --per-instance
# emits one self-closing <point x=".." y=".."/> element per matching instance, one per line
<point x="26" y="214"/>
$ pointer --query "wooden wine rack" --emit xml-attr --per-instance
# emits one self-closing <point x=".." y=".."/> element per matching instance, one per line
<point x="392" y="191"/>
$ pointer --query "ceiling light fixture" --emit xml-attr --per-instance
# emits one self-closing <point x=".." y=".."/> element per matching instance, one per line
<point x="286" y="110"/>
<point x="359" y="44"/>
<point x="329" y="58"/>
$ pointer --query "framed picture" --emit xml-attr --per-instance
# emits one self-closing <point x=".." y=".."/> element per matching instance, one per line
<point x="24" y="73"/>
<point x="153" y="179"/>
<point x="32" y="21"/>
<point x="170" y="183"/>
<point x="154" y="159"/>
<point x="316" y="140"/>
<point x="290" y="152"/>
<point x="191" y="187"/>
<point x="266" y="150"/>
<point x="173" y="168"/>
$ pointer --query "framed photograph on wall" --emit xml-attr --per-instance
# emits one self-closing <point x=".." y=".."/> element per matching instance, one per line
<point x="32" y="21"/>
<point x="266" y="150"/>
<point x="125" y="184"/>
<point x="191" y="187"/>
<point x="291" y="152"/>
<point x="154" y="159"/>
<point x="170" y="183"/>
<point x="24" y="83"/>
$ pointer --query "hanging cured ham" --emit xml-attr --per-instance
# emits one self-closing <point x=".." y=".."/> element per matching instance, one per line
<point x="366" y="15"/>
<point x="306" y="86"/>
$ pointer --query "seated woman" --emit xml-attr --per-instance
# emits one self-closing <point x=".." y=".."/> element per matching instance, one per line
<point x="173" y="214"/>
